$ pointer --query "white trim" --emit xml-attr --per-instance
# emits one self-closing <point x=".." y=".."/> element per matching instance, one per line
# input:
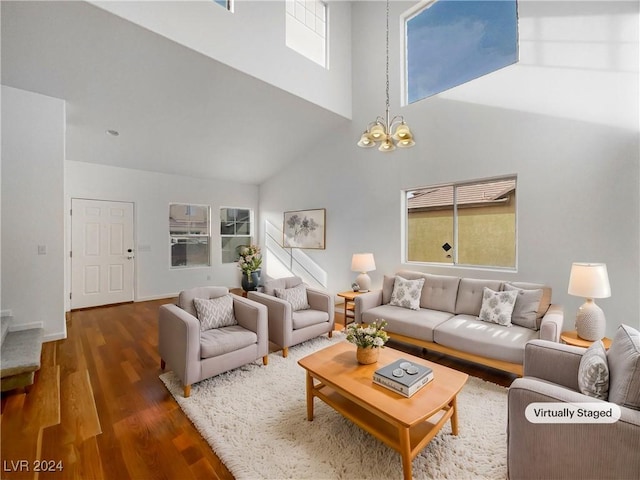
<point x="6" y="313"/>
<point x="404" y="18"/>
<point x="25" y="326"/>
<point x="167" y="296"/>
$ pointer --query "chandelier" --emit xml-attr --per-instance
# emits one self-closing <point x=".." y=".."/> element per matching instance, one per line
<point x="386" y="131"/>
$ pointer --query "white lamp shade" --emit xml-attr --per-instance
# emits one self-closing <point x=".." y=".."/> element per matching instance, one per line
<point x="589" y="280"/>
<point x="362" y="262"/>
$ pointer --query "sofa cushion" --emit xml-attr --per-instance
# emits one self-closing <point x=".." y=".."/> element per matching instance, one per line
<point x="406" y="293"/>
<point x="525" y="311"/>
<point x="387" y="288"/>
<point x="215" y="312"/>
<point x="286" y="282"/>
<point x="185" y="300"/>
<point x="296" y="296"/>
<point x="470" y="290"/>
<point x="219" y="341"/>
<point x="418" y="324"/>
<point x="497" y="307"/>
<point x="624" y="368"/>
<point x="545" y="301"/>
<point x="306" y="318"/>
<point x="469" y="334"/>
<point x="441" y="293"/>
<point x="593" y="372"/>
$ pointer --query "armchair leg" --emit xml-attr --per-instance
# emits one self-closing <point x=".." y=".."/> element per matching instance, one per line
<point x="162" y="364"/>
<point x="285" y="352"/>
<point x="331" y="334"/>
<point x="265" y="360"/>
<point x="187" y="391"/>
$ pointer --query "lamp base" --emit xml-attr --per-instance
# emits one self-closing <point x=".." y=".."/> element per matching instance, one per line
<point x="364" y="282"/>
<point x="590" y="321"/>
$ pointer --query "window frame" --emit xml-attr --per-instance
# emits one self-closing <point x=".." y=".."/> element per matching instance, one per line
<point x="289" y="40"/>
<point x="189" y="236"/>
<point x="408" y="15"/>
<point x="456" y="241"/>
<point x="249" y="236"/>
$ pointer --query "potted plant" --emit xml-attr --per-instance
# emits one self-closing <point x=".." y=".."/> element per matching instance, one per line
<point x="369" y="339"/>
<point x="250" y="262"/>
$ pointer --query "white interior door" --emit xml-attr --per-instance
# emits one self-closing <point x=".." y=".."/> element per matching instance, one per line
<point x="102" y="253"/>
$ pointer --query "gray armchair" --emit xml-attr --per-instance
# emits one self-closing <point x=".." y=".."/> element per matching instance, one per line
<point x="194" y="355"/>
<point x="288" y="326"/>
<point x="566" y="450"/>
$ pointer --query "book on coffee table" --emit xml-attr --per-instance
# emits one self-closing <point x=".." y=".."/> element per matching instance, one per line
<point x="403" y="377"/>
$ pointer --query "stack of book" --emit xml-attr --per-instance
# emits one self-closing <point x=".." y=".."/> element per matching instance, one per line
<point x="403" y="377"/>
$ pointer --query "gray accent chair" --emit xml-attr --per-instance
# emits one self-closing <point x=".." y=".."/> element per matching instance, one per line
<point x="194" y="355"/>
<point x="288" y="327"/>
<point x="565" y="450"/>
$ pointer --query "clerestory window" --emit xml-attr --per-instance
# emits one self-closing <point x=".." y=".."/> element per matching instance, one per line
<point x="306" y="29"/>
<point x="451" y="42"/>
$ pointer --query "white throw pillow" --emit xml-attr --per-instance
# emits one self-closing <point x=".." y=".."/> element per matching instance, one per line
<point x="296" y="296"/>
<point x="525" y="311"/>
<point x="215" y="312"/>
<point x="497" y="307"/>
<point x="406" y="293"/>
<point x="593" y="373"/>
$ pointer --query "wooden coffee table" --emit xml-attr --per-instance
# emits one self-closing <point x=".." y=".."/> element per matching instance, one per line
<point x="405" y="424"/>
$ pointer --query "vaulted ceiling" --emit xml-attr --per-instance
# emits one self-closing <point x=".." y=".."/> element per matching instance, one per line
<point x="176" y="111"/>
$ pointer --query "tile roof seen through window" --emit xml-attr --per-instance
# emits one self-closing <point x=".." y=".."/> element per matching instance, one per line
<point x="476" y="194"/>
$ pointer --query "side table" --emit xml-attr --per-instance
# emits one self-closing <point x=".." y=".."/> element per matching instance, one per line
<point x="349" y="305"/>
<point x="571" y="338"/>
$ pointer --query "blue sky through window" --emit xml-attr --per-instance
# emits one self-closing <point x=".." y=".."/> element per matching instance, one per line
<point x="455" y="41"/>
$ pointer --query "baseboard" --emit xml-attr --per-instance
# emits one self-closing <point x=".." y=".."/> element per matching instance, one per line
<point x="52" y="337"/>
<point x="168" y="296"/>
<point x="6" y="313"/>
<point x="25" y="326"/>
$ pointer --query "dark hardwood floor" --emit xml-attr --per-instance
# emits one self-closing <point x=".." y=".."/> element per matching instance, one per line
<point x="98" y="410"/>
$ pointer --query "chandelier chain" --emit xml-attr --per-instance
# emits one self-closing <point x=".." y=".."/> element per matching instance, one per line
<point x="387" y="64"/>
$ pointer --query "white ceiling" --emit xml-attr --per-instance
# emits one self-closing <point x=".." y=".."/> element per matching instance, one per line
<point x="177" y="111"/>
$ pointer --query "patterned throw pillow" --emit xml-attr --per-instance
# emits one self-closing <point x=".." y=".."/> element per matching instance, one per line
<point x="525" y="311"/>
<point x="215" y="312"/>
<point x="593" y="373"/>
<point x="296" y="296"/>
<point x="406" y="293"/>
<point x="497" y="307"/>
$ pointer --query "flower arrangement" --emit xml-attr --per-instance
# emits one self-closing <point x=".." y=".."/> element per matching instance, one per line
<point x="365" y="336"/>
<point x="250" y="258"/>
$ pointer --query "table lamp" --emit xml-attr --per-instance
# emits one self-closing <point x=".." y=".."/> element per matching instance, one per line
<point x="590" y="280"/>
<point x="363" y="263"/>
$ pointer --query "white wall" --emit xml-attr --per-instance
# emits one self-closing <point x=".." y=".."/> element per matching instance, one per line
<point x="33" y="210"/>
<point x="151" y="194"/>
<point x="564" y="119"/>
<point x="252" y="40"/>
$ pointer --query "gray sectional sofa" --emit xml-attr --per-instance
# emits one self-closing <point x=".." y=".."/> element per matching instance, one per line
<point x="447" y="319"/>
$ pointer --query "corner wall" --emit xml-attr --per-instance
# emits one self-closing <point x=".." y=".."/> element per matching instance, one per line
<point x="33" y="210"/>
<point x="547" y="119"/>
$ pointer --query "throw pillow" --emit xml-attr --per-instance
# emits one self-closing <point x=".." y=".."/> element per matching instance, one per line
<point x="296" y="296"/>
<point x="593" y="373"/>
<point x="497" y="307"/>
<point x="406" y="293"/>
<point x="215" y="312"/>
<point x="624" y="368"/>
<point x="525" y="311"/>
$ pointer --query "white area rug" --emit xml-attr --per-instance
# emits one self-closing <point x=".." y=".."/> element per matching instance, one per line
<point x="254" y="418"/>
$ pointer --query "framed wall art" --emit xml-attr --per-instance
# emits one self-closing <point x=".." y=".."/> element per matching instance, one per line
<point x="304" y="229"/>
